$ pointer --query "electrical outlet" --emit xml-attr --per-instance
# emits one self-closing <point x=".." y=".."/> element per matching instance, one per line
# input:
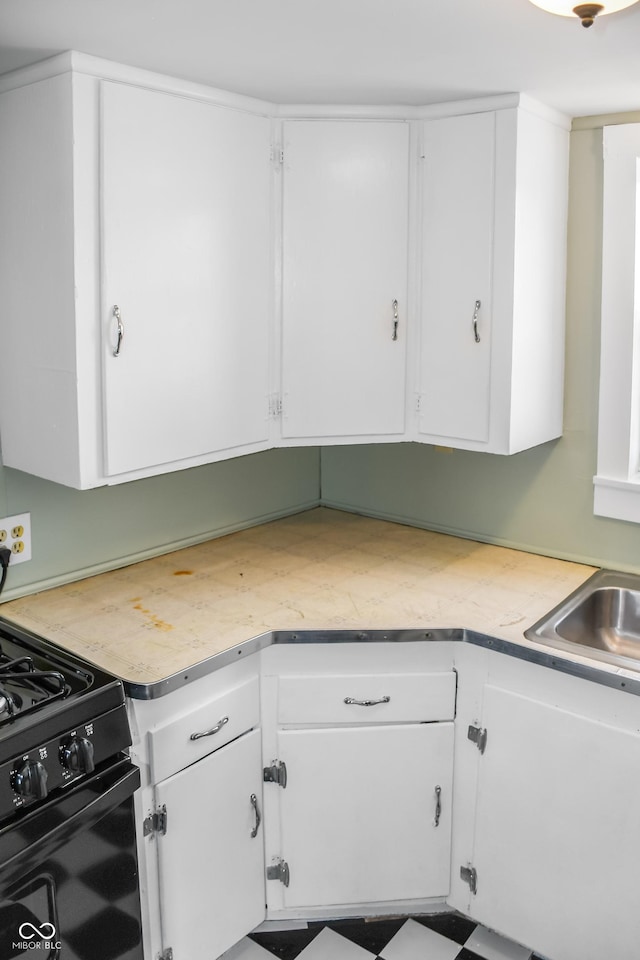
<point x="15" y="533"/>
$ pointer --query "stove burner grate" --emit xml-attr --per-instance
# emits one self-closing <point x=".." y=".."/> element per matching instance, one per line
<point x="23" y="688"/>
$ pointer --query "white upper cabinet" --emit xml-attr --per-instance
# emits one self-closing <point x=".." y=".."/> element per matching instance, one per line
<point x="187" y="276"/>
<point x="39" y="434"/>
<point x="491" y="359"/>
<point x="185" y="233"/>
<point x="345" y="233"/>
<point x="154" y="208"/>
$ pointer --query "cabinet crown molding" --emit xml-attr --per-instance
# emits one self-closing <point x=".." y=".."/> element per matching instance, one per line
<point x="72" y="61"/>
<point x="75" y="61"/>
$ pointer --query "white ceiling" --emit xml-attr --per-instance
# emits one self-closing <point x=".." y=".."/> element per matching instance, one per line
<point x="346" y="51"/>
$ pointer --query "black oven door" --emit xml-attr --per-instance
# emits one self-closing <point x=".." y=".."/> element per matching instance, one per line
<point x="69" y="874"/>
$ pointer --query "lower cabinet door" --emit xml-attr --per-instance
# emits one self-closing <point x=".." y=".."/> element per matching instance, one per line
<point x="211" y="859"/>
<point x="366" y="813"/>
<point x="557" y="831"/>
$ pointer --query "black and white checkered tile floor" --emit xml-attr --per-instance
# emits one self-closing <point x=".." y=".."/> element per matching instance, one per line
<point x="439" y="937"/>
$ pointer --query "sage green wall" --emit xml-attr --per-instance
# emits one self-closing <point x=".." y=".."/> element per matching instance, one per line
<point x="541" y="499"/>
<point x="80" y="532"/>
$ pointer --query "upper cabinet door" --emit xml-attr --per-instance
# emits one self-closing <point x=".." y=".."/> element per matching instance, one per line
<point x="186" y="233"/>
<point x="457" y="258"/>
<point x="493" y="279"/>
<point x="345" y="229"/>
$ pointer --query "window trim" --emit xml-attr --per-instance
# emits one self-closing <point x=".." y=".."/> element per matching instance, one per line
<point x="617" y="482"/>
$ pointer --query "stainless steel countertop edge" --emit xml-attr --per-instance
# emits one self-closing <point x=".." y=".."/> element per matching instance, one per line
<point x="585" y="671"/>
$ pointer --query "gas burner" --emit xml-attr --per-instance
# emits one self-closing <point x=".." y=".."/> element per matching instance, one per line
<point x="10" y="704"/>
<point x="23" y="687"/>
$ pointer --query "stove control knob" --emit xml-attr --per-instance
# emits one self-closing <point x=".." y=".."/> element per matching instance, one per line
<point x="77" y="755"/>
<point x="30" y="780"/>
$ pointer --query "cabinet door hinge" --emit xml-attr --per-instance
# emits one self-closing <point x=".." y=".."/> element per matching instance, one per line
<point x="275" y="406"/>
<point x="478" y="735"/>
<point x="156" y="823"/>
<point x="469" y="875"/>
<point x="166" y="954"/>
<point x="276" y="773"/>
<point x="277" y="153"/>
<point x="279" y="871"/>
<point x="418" y="402"/>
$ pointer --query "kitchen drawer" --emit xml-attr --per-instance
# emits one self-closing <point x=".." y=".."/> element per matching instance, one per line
<point x="321" y="699"/>
<point x="170" y="745"/>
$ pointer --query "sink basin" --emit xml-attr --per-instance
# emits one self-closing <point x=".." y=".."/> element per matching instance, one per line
<point x="601" y="619"/>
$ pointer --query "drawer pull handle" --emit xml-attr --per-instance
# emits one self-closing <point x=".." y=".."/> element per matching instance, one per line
<point x="256" y="810"/>
<point x="209" y="733"/>
<point x="436" y="819"/>
<point x="367" y="703"/>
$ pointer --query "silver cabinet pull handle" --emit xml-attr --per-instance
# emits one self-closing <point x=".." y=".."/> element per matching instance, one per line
<point x="395" y="320"/>
<point x="256" y="810"/>
<point x="366" y="703"/>
<point x="476" y="311"/>
<point x="118" y="317"/>
<point x="436" y="819"/>
<point x="209" y="733"/>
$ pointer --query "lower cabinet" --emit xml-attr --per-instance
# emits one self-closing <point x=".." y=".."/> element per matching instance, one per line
<point x="366" y="813"/>
<point x="557" y="830"/>
<point x="365" y="732"/>
<point x="546" y="835"/>
<point x="199" y="812"/>
<point x="211" y="859"/>
<point x="396" y="778"/>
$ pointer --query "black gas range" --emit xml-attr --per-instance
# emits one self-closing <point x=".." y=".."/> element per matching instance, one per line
<point x="68" y="862"/>
<point x="59" y="719"/>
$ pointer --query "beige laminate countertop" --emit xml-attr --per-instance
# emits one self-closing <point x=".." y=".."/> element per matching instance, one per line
<point x="319" y="570"/>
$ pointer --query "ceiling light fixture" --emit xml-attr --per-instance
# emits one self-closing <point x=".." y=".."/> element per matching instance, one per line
<point x="586" y="11"/>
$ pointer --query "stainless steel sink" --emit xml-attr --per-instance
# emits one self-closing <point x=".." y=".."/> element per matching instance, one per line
<point x="601" y="619"/>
